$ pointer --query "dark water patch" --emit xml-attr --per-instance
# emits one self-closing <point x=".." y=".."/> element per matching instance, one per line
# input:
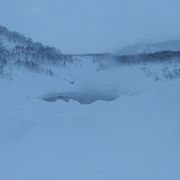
<point x="82" y="98"/>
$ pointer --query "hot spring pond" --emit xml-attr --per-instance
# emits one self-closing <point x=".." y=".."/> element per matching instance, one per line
<point x="82" y="98"/>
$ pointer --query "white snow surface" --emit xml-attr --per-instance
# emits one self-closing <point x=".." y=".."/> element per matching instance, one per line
<point x="135" y="137"/>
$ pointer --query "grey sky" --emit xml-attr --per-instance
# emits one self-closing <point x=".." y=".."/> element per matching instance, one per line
<point x="81" y="26"/>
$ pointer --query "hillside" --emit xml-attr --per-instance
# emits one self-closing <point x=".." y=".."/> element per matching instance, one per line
<point x="149" y="48"/>
<point x="89" y="116"/>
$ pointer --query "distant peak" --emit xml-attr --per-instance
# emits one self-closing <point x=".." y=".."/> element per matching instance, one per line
<point x="140" y="48"/>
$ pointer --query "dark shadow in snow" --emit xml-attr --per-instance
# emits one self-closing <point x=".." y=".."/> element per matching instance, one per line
<point x="79" y="97"/>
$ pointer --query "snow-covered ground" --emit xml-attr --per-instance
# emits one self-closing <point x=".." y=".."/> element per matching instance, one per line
<point x="134" y="137"/>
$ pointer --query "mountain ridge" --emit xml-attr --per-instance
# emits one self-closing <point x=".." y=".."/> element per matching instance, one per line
<point x="145" y="48"/>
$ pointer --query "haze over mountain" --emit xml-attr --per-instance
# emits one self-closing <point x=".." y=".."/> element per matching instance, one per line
<point x="92" y="26"/>
<point x="146" y="48"/>
<point x="18" y="51"/>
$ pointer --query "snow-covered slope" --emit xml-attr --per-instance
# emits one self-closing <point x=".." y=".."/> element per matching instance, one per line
<point x="143" y="48"/>
<point x="133" y="137"/>
<point x="18" y="51"/>
<point x="22" y="51"/>
<point x="10" y="40"/>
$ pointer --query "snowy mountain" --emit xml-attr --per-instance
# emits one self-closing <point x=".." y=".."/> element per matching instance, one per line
<point x="10" y="40"/>
<point x="143" y="48"/>
<point x="18" y="51"/>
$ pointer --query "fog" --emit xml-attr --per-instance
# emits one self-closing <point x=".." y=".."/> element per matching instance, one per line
<point x="104" y="85"/>
<point x="93" y="25"/>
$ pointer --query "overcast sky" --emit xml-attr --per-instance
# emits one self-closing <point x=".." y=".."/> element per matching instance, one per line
<point x="81" y="26"/>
